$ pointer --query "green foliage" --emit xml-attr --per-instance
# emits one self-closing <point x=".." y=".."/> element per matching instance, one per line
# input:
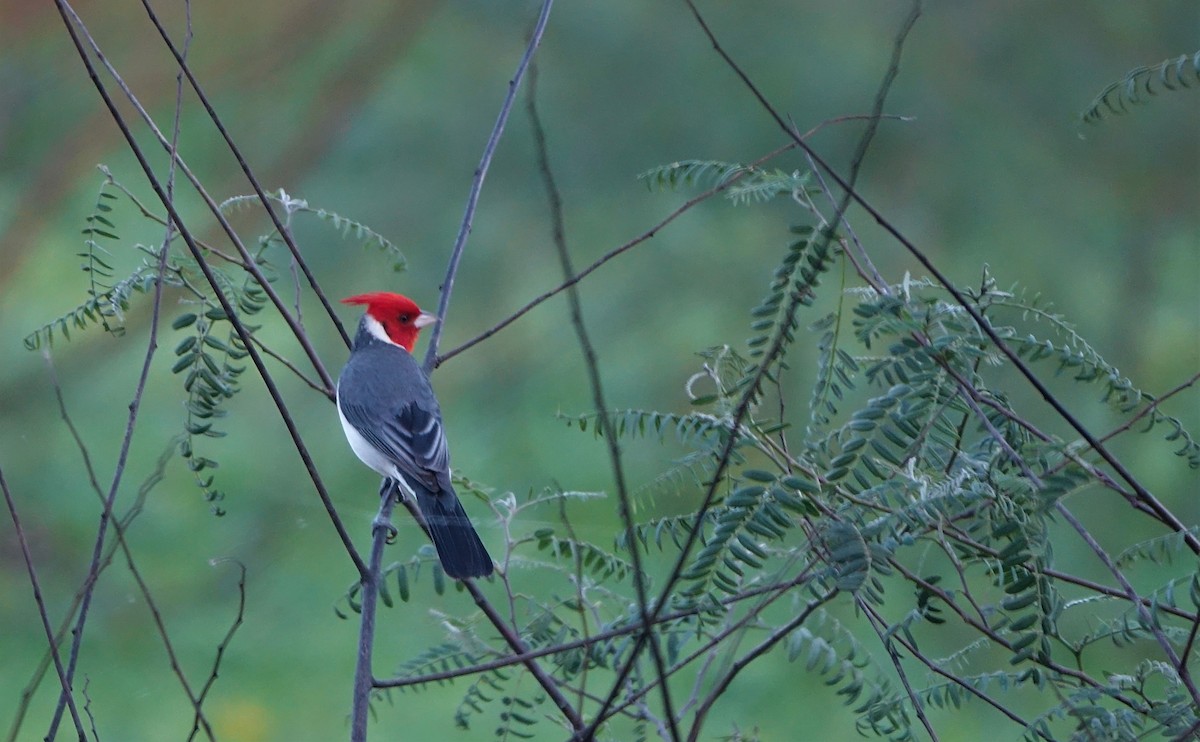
<point x="107" y="300"/>
<point x="897" y="463"/>
<point x="744" y="184"/>
<point x="367" y="237"/>
<point x="100" y="294"/>
<point x="401" y="574"/>
<point x="209" y="354"/>
<point x="828" y="649"/>
<point x="594" y="560"/>
<point x="1086" y="365"/>
<point x="210" y="368"/>
<point x="1142" y="83"/>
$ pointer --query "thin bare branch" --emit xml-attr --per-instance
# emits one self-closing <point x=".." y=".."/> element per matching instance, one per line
<point x="464" y="230"/>
<point x="743" y="662"/>
<point x="64" y="678"/>
<point x="225" y="641"/>
<point x="643" y="237"/>
<point x="363" y="677"/>
<point x="879" y="626"/>
<point x="592" y="364"/>
<point x="119" y="531"/>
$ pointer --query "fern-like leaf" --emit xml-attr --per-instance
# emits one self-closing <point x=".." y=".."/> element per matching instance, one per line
<point x="1142" y="83"/>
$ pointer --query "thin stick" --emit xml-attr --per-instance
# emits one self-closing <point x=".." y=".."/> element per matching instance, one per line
<point x="878" y="624"/>
<point x="592" y="364"/>
<point x="63" y="677"/>
<point x="363" y="679"/>
<point x="485" y="161"/>
<point x="644" y="236"/>
<point x="225" y="641"/>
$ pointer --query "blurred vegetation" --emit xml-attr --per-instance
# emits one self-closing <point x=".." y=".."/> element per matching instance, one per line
<point x="378" y="111"/>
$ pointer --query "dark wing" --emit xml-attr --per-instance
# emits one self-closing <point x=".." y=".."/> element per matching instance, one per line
<point x="411" y="437"/>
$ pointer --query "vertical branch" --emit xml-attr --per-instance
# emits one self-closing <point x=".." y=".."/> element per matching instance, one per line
<point x="363" y="677"/>
<point x="602" y="419"/>
<point x="464" y="229"/>
<point x="63" y="677"/>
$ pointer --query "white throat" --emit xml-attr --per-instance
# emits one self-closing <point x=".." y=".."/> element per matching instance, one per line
<point x="375" y="327"/>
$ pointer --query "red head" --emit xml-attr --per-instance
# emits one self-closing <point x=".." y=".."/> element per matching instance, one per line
<point x="398" y="316"/>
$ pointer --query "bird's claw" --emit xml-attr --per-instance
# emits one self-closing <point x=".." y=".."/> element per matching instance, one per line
<point x="380" y="523"/>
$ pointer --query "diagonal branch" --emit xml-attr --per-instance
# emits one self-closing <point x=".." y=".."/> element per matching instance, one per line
<point x="760" y="649"/>
<point x="1144" y="613"/>
<point x="63" y="677"/>
<point x="464" y="230"/>
<point x="643" y="237"/>
<point x="225" y="641"/>
<point x="226" y="305"/>
<point x="514" y="641"/>
<point x="247" y="262"/>
<point x="237" y="153"/>
<point x="591" y="362"/>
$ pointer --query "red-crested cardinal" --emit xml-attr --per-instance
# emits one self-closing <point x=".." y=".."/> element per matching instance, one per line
<point x="393" y="423"/>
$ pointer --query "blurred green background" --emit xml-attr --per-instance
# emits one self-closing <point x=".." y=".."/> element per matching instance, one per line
<point x="379" y="111"/>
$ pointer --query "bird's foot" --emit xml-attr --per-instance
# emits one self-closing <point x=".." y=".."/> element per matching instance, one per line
<point x="385" y="524"/>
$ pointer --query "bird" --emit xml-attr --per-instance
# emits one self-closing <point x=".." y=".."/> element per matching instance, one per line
<point x="393" y="423"/>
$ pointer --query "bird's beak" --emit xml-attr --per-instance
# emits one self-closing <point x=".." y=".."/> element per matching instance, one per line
<point x="423" y="319"/>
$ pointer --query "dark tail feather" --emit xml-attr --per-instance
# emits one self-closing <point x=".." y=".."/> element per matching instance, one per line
<point x="458" y="546"/>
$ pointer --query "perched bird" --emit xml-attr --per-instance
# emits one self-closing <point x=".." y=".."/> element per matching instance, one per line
<point x="393" y="423"/>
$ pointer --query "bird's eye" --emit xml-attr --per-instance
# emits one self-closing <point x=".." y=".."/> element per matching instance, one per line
<point x="404" y="318"/>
